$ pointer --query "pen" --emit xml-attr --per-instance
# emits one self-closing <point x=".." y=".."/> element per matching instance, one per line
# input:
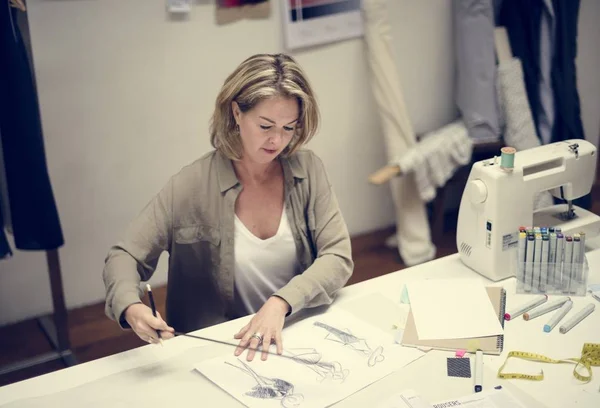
<point x="478" y="371"/>
<point x="153" y="306"/>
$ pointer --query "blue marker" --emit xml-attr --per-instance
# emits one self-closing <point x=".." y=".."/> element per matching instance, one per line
<point x="557" y="317"/>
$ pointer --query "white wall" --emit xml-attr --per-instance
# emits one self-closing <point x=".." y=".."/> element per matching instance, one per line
<point x="126" y="95"/>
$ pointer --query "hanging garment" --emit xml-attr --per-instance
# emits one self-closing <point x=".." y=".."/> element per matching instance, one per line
<point x="524" y="23"/>
<point x="546" y="112"/>
<point x="4" y="246"/>
<point x="567" y="121"/>
<point x="412" y="226"/>
<point x="437" y="157"/>
<point x="522" y="19"/>
<point x="520" y="130"/>
<point x="34" y="218"/>
<point x="5" y="250"/>
<point x="476" y="68"/>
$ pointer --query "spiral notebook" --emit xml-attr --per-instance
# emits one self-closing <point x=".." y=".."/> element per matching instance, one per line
<point x="489" y="344"/>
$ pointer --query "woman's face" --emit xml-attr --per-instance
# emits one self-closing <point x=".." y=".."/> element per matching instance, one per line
<point x="268" y="128"/>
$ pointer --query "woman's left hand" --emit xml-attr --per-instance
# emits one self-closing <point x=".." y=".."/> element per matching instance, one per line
<point x="266" y="325"/>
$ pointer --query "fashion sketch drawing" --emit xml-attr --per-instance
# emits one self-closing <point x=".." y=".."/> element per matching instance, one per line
<point x="312" y="359"/>
<point x="271" y="388"/>
<point x="346" y="338"/>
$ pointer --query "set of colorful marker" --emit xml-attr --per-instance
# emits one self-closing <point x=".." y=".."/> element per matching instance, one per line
<point x="548" y="257"/>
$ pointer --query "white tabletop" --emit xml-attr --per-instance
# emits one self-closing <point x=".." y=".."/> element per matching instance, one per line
<point x="110" y="376"/>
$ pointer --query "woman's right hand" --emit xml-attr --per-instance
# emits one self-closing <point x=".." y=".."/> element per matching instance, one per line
<point x="144" y="324"/>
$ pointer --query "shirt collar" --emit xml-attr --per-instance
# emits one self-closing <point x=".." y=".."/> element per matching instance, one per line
<point x="225" y="173"/>
<point x="294" y="166"/>
<point x="292" y="169"/>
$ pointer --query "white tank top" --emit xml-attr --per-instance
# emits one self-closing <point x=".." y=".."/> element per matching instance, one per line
<point x="262" y="266"/>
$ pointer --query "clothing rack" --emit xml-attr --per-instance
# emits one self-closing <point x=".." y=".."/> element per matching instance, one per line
<point x="55" y="326"/>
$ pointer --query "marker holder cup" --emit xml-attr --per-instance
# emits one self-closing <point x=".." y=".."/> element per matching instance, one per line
<point x="569" y="279"/>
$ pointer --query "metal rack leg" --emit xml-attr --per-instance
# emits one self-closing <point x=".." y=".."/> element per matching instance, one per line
<point x="55" y="326"/>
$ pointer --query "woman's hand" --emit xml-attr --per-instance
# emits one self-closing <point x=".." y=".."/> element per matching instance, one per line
<point x="266" y="325"/>
<point x="144" y="324"/>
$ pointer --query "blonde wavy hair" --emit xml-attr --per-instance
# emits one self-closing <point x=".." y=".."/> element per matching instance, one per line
<point x="257" y="78"/>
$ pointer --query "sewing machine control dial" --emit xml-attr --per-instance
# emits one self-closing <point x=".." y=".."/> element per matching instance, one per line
<point x="477" y="191"/>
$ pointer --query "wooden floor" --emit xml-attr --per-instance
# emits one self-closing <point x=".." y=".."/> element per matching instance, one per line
<point x="94" y="336"/>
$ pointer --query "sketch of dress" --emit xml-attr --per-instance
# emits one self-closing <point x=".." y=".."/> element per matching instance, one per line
<point x="358" y="344"/>
<point x="271" y="388"/>
<point x="312" y="359"/>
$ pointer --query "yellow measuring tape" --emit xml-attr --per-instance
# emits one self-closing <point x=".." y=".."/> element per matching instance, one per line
<point x="590" y="357"/>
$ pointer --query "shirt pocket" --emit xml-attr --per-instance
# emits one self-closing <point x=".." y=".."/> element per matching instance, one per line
<point x="197" y="233"/>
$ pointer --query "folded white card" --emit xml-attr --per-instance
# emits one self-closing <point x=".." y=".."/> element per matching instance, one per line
<point x="452" y="309"/>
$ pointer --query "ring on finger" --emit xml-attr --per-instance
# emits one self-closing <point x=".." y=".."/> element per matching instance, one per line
<point x="257" y="336"/>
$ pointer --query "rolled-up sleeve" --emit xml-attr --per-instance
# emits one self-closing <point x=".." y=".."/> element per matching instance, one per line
<point x="135" y="257"/>
<point x="333" y="264"/>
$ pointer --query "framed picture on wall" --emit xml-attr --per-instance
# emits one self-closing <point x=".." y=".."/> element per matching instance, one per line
<point x="314" y="22"/>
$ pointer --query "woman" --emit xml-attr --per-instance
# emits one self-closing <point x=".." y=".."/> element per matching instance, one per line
<point x="251" y="227"/>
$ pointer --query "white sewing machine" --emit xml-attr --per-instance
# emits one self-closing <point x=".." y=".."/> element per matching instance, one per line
<point x="497" y="201"/>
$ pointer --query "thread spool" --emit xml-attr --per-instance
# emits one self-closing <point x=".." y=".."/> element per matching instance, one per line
<point x="507" y="160"/>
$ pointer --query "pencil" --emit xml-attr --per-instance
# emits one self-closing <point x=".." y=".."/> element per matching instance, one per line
<point x="153" y="306"/>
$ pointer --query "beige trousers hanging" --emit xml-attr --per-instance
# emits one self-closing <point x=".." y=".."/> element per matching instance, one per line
<point x="413" y="232"/>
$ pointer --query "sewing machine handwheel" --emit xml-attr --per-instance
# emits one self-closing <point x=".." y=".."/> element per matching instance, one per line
<point x="477" y="191"/>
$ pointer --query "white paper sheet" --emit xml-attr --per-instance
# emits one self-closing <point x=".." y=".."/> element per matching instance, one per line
<point x="487" y="399"/>
<point x="335" y="353"/>
<point x="405" y="399"/>
<point x="452" y="309"/>
<point x="170" y="381"/>
<point x="391" y="315"/>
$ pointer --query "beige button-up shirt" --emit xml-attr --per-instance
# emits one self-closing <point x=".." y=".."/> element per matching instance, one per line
<point x="192" y="218"/>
